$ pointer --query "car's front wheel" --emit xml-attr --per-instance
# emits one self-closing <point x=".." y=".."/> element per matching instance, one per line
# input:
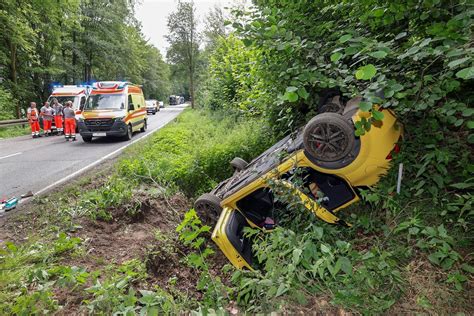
<point x="328" y="137"/>
<point x="239" y="164"/>
<point x="129" y="134"/>
<point x="87" y="139"/>
<point x="208" y="207"/>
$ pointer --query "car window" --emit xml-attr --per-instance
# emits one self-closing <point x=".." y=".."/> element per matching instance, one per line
<point x="131" y="106"/>
<point x="138" y="100"/>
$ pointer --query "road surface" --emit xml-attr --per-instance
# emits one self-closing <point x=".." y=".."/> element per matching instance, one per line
<point x="37" y="165"/>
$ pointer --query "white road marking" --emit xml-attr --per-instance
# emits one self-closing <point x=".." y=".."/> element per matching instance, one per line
<point x="8" y="156"/>
<point x="95" y="163"/>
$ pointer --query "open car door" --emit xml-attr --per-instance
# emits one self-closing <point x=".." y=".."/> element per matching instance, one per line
<point x="229" y="236"/>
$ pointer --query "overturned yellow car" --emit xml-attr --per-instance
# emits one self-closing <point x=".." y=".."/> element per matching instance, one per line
<point x="330" y="158"/>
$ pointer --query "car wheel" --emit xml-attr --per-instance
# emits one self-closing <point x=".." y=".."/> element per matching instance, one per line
<point x="87" y="139"/>
<point x="328" y="137"/>
<point x="208" y="207"/>
<point x="145" y="125"/>
<point x="129" y="134"/>
<point x="239" y="164"/>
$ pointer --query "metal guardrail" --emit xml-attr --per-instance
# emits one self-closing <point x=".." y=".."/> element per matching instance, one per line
<point x="8" y="123"/>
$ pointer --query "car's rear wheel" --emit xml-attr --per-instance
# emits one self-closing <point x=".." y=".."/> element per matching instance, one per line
<point x="144" y="127"/>
<point x="328" y="137"/>
<point x="208" y="207"/>
<point x="239" y="164"/>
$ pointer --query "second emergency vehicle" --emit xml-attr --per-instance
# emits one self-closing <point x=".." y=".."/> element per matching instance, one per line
<point x="113" y="108"/>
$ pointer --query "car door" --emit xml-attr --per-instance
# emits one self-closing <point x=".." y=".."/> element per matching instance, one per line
<point x="229" y="237"/>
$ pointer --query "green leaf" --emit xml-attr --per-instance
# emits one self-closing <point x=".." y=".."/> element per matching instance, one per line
<point x="335" y="57"/>
<point x="377" y="115"/>
<point x="325" y="249"/>
<point x="462" y="185"/>
<point x="303" y="93"/>
<point x="291" y="96"/>
<point x="470" y="124"/>
<point x="466" y="73"/>
<point x="281" y="290"/>
<point x="345" y="38"/>
<point x="468" y="268"/>
<point x="457" y="62"/>
<point x="365" y="106"/>
<point x="366" y="72"/>
<point x="291" y="89"/>
<point x="378" y="54"/>
<point x="346" y="265"/>
<point x="378" y="13"/>
<point x="247" y="42"/>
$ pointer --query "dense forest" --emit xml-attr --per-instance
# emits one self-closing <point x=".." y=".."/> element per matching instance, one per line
<point x="258" y="72"/>
<point x="73" y="42"/>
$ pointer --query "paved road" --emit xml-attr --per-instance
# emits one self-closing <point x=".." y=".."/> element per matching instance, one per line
<point x="38" y="164"/>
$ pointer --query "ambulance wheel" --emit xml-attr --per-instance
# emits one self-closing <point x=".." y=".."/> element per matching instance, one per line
<point x="239" y="164"/>
<point x="87" y="139"/>
<point x="143" y="129"/>
<point x="328" y="137"/>
<point x="208" y="208"/>
<point x="129" y="134"/>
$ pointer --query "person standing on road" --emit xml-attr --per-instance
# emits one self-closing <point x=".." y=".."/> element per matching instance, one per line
<point x="32" y="114"/>
<point x="47" y="113"/>
<point x="69" y="122"/>
<point x="58" y="116"/>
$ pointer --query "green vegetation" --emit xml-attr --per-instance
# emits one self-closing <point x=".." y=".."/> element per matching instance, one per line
<point x="7" y="132"/>
<point x="193" y="154"/>
<point x="406" y="253"/>
<point x="42" y="42"/>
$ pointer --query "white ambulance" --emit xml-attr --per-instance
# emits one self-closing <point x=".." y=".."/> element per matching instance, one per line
<point x="77" y="94"/>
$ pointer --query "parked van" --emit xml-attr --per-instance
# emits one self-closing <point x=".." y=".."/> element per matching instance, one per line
<point x="75" y="93"/>
<point x="113" y="108"/>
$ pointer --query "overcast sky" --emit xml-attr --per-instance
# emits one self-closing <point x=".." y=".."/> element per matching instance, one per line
<point x="153" y="16"/>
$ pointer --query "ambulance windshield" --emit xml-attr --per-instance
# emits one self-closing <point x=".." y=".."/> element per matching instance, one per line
<point x="105" y="102"/>
<point x="62" y="99"/>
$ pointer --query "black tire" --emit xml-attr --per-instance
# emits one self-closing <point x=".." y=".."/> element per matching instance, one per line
<point x="145" y="125"/>
<point x="208" y="207"/>
<point x="87" y="139"/>
<point x="154" y="112"/>
<point x="239" y="164"/>
<point x="328" y="137"/>
<point x="129" y="133"/>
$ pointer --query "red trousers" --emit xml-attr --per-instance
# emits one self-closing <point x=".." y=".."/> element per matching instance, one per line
<point x="47" y="125"/>
<point x="35" y="127"/>
<point x="58" y="120"/>
<point x="70" y="127"/>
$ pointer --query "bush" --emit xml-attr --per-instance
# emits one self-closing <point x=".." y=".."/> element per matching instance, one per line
<point x="194" y="152"/>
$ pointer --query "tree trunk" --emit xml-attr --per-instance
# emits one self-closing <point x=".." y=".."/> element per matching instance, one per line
<point x="74" y="57"/>
<point x="191" y="87"/>
<point x="14" y="75"/>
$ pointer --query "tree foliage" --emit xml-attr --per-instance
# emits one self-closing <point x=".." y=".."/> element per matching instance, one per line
<point x="74" y="42"/>
<point x="184" y="41"/>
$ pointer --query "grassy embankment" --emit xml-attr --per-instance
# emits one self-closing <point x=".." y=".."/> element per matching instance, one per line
<point x="109" y="243"/>
<point x="14" y="131"/>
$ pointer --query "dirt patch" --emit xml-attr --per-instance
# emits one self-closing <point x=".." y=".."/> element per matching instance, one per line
<point x="127" y="236"/>
<point x="428" y="291"/>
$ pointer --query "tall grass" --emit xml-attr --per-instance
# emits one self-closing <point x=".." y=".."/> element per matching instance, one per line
<point x="193" y="153"/>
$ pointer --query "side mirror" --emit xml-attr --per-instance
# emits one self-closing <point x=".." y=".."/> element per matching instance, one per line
<point x="130" y="107"/>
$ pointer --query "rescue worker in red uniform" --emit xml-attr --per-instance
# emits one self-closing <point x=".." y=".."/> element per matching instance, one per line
<point x="58" y="116"/>
<point x="69" y="122"/>
<point x="47" y="113"/>
<point x="32" y="114"/>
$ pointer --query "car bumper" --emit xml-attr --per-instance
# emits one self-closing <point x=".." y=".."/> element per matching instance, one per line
<point x="151" y="110"/>
<point x="118" y="128"/>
